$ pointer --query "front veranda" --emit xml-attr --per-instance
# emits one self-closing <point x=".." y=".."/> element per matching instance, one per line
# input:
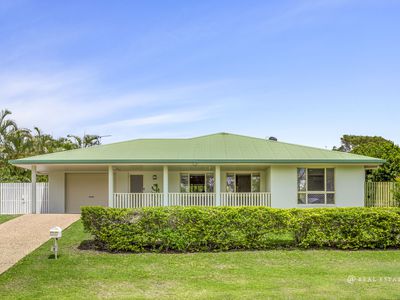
<point x="169" y="185"/>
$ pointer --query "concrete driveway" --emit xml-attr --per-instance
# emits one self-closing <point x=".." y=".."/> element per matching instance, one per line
<point x="22" y="235"/>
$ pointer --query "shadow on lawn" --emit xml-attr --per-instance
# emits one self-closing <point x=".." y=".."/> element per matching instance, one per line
<point x="89" y="245"/>
<point x="275" y="244"/>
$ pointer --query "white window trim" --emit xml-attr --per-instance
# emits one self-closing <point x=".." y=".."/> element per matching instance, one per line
<point x="241" y="173"/>
<point x="324" y="192"/>
<point x="196" y="173"/>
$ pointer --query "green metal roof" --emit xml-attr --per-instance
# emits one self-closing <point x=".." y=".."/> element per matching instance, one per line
<point x="214" y="148"/>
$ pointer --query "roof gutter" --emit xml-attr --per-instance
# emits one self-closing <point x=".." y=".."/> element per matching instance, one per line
<point x="196" y="161"/>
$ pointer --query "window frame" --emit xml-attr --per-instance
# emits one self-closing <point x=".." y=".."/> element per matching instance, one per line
<point x="188" y="174"/>
<point x="325" y="192"/>
<point x="252" y="174"/>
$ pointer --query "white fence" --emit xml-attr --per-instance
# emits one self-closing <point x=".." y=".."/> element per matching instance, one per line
<point x="16" y="198"/>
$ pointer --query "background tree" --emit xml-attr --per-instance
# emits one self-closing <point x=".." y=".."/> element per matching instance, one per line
<point x="88" y="140"/>
<point x="349" y="142"/>
<point x="18" y="142"/>
<point x="374" y="146"/>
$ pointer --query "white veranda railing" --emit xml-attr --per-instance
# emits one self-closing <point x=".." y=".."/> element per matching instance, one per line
<point x="191" y="199"/>
<point x="246" y="199"/>
<point x="135" y="200"/>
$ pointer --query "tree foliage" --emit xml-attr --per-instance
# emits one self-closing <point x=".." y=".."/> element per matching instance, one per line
<point x="350" y="142"/>
<point x="375" y="146"/>
<point x="17" y="142"/>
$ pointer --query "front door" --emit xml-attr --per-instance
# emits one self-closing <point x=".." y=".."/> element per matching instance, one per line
<point x="243" y="183"/>
<point x="136" y="183"/>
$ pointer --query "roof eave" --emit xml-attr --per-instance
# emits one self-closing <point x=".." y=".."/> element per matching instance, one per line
<point x="376" y="162"/>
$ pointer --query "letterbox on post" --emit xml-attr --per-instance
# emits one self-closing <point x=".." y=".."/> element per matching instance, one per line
<point x="55" y="234"/>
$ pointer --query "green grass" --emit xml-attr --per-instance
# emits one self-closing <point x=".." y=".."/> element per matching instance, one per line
<point x="296" y="274"/>
<point x="5" y="218"/>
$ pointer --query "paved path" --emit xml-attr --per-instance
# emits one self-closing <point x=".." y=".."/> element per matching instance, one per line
<point x="22" y="235"/>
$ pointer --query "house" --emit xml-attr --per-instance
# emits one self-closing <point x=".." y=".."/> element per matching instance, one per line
<point x="218" y="169"/>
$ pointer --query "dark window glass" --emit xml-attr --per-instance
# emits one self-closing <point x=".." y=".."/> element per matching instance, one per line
<point x="301" y="179"/>
<point x="210" y="182"/>
<point x="330" y="198"/>
<point x="301" y="198"/>
<point x="255" y="183"/>
<point x="330" y="180"/>
<point x="184" y="183"/>
<point x="197" y="183"/>
<point x="316" y="198"/>
<point x="230" y="183"/>
<point x="316" y="180"/>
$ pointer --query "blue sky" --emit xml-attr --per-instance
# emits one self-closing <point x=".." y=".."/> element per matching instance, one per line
<point x="303" y="71"/>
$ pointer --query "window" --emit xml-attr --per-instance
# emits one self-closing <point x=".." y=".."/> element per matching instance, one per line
<point x="230" y="183"/>
<point x="316" y="186"/>
<point x="243" y="183"/>
<point x="210" y="182"/>
<point x="197" y="183"/>
<point x="184" y="183"/>
<point x="255" y="183"/>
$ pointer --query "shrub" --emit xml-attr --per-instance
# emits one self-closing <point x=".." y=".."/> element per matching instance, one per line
<point x="189" y="229"/>
<point x="348" y="228"/>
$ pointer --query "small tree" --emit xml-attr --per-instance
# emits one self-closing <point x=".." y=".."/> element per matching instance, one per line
<point x="396" y="191"/>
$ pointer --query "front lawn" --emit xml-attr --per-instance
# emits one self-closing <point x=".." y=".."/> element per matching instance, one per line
<point x="5" y="218"/>
<point x="83" y="274"/>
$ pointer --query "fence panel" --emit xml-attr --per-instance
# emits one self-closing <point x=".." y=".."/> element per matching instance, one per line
<point x="16" y="198"/>
<point x="380" y="194"/>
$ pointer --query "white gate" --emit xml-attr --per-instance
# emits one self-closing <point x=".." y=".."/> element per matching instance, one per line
<point x="16" y="198"/>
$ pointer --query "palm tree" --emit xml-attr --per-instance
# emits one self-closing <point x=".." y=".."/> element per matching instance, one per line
<point x="88" y="140"/>
<point x="18" y="144"/>
<point x="42" y="143"/>
<point x="6" y="125"/>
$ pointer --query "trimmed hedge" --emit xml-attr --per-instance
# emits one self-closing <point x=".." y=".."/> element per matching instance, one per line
<point x="190" y="229"/>
<point x="347" y="228"/>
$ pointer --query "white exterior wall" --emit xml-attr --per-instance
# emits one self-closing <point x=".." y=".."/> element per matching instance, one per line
<point x="122" y="180"/>
<point x="57" y="192"/>
<point x="174" y="182"/>
<point x="349" y="187"/>
<point x="283" y="186"/>
<point x="281" y="181"/>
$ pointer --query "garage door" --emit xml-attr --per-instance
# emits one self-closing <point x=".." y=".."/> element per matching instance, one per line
<point x="84" y="190"/>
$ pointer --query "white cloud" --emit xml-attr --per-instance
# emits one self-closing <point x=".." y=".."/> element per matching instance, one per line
<point x="74" y="101"/>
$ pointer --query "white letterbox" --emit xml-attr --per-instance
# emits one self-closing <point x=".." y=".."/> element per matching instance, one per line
<point x="55" y="232"/>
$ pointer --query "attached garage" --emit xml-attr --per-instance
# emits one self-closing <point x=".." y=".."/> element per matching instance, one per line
<point x="83" y="189"/>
